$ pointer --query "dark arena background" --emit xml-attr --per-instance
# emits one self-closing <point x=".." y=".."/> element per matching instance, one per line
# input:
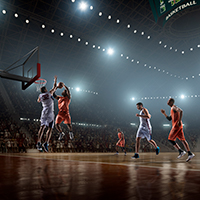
<point x="111" y="54"/>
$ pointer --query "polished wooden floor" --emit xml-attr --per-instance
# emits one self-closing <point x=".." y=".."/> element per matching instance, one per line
<point x="84" y="176"/>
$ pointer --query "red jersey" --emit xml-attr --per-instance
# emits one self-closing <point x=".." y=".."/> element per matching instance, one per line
<point x="120" y="135"/>
<point x="63" y="104"/>
<point x="175" y="118"/>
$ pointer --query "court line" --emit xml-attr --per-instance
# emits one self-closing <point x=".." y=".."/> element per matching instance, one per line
<point x="106" y="163"/>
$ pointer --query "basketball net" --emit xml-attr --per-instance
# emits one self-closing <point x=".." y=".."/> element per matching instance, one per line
<point x="40" y="83"/>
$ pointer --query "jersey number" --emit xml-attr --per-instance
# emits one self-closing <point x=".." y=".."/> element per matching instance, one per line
<point x="45" y="97"/>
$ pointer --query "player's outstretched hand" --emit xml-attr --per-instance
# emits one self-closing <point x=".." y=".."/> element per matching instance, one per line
<point x="137" y="115"/>
<point x="162" y="111"/>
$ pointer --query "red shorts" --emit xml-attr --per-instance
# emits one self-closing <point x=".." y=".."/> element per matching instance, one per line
<point x="121" y="143"/>
<point x="63" y="116"/>
<point x="176" y="133"/>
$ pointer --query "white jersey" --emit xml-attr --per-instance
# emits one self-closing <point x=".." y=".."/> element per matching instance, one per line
<point x="47" y="115"/>
<point x="144" y="130"/>
<point x="144" y="123"/>
<point x="47" y="101"/>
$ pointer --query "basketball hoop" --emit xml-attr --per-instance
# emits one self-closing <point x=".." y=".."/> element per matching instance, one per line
<point x="40" y="83"/>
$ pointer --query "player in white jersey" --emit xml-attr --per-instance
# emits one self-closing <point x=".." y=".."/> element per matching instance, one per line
<point x="144" y="130"/>
<point x="47" y="115"/>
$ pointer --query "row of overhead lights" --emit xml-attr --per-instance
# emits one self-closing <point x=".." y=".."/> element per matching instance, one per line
<point x="83" y="6"/>
<point x="110" y="51"/>
<point x="158" y="69"/>
<point x="166" y="97"/>
<point x="87" y="91"/>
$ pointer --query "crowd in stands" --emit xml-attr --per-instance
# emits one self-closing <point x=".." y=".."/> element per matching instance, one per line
<point x="18" y="137"/>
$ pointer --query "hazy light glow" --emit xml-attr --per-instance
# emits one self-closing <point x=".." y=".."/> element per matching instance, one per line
<point x="132" y="124"/>
<point x="73" y="1"/>
<point x="77" y="89"/>
<point x="133" y="99"/>
<point x="166" y="125"/>
<point x="61" y="34"/>
<point x="128" y="26"/>
<point x="16" y="15"/>
<point x="52" y="30"/>
<point x="71" y="36"/>
<point x="117" y="21"/>
<point x="27" y="21"/>
<point x="43" y="26"/>
<point x="110" y="51"/>
<point x="83" y="5"/>
<point x="182" y="96"/>
<point x="100" y="14"/>
<point x="109" y="17"/>
<point x="91" y="7"/>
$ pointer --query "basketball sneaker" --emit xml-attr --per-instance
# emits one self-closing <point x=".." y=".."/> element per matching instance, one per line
<point x="135" y="156"/>
<point x="45" y="146"/>
<point x="71" y="135"/>
<point x="61" y="136"/>
<point x="39" y="146"/>
<point x="157" y="150"/>
<point x="116" y="153"/>
<point x="125" y="153"/>
<point x="181" y="154"/>
<point x="189" y="157"/>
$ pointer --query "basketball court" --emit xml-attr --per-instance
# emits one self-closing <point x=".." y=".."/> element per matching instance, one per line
<point x="98" y="176"/>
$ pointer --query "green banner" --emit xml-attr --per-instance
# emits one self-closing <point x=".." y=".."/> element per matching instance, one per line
<point x="168" y="8"/>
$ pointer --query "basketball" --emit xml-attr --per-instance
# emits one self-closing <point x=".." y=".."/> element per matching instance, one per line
<point x="60" y="85"/>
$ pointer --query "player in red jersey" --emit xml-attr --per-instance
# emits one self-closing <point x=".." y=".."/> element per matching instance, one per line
<point x="63" y="114"/>
<point x="177" y="129"/>
<point x="121" y="142"/>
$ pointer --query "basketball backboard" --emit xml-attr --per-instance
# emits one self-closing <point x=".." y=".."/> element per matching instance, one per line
<point x="31" y="69"/>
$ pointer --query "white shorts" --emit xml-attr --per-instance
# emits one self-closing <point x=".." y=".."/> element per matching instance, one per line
<point x="47" y="119"/>
<point x="144" y="133"/>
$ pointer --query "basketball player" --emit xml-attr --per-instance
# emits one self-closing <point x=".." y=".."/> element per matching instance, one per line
<point x="177" y="129"/>
<point x="63" y="114"/>
<point x="144" y="130"/>
<point x="121" y="142"/>
<point x="47" y="115"/>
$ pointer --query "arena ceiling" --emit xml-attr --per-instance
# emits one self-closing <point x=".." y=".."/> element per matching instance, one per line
<point x="149" y="60"/>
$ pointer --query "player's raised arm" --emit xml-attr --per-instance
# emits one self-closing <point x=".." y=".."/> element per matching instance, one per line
<point x="164" y="113"/>
<point x="56" y="96"/>
<point x="54" y="86"/>
<point x="68" y="92"/>
<point x="146" y="114"/>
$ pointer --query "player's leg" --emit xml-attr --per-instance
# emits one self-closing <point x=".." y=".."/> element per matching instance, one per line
<point x="186" y="145"/>
<point x="71" y="135"/>
<point x="40" y="134"/>
<point x="116" y="147"/>
<point x="137" y="147"/>
<point x="59" y="119"/>
<point x="48" y="134"/>
<point x="172" y="138"/>
<point x="152" y="142"/>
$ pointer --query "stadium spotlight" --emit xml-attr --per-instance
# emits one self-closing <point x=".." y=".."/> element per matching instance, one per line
<point x="71" y="36"/>
<point x="109" y="17"/>
<point x="117" y="21"/>
<point x="4" y="12"/>
<point x="83" y="5"/>
<point x="100" y="14"/>
<point x="86" y="43"/>
<point x="135" y="31"/>
<point x="132" y="124"/>
<point x="27" y="21"/>
<point x="182" y="96"/>
<point x="43" y="26"/>
<point x="128" y="26"/>
<point x="91" y="7"/>
<point x="77" y="89"/>
<point x="148" y="37"/>
<point x="110" y="51"/>
<point x="73" y="1"/>
<point x="52" y="30"/>
<point x="16" y="15"/>
<point x="133" y="99"/>
<point x="61" y="34"/>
